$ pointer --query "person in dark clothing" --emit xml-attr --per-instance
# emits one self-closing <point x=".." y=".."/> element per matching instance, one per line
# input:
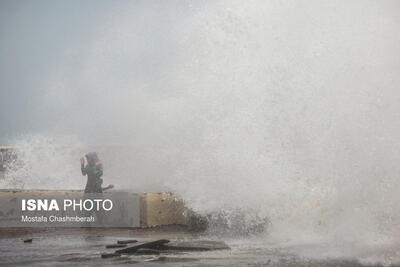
<point x="94" y="171"/>
<point x="93" y="189"/>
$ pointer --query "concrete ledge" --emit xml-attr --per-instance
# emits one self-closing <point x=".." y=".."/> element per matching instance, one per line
<point x="162" y="209"/>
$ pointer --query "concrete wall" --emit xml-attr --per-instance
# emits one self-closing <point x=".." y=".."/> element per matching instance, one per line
<point x="162" y="209"/>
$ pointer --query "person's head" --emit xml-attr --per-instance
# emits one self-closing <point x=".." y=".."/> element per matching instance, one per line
<point x="92" y="158"/>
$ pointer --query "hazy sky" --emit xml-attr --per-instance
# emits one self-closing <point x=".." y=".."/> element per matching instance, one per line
<point x="36" y="37"/>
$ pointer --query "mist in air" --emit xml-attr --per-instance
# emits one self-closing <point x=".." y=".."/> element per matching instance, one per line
<point x="287" y="110"/>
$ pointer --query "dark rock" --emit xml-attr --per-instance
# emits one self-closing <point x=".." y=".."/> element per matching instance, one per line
<point x="109" y="255"/>
<point x="116" y="246"/>
<point x="126" y="241"/>
<point x="28" y="240"/>
<point x="151" y="245"/>
<point x="197" y="223"/>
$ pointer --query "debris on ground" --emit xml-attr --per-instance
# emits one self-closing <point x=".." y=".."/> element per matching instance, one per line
<point x="152" y="245"/>
<point x="165" y="246"/>
<point x="28" y="240"/>
<point x="127" y="241"/>
<point x="116" y="246"/>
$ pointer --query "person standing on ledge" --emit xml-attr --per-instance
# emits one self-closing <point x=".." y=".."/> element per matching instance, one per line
<point x="94" y="171"/>
<point x="93" y="189"/>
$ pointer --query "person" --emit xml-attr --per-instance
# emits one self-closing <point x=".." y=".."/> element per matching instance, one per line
<point x="94" y="171"/>
<point x="93" y="189"/>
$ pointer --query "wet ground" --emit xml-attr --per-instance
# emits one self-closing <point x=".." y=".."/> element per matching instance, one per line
<point x="83" y="247"/>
